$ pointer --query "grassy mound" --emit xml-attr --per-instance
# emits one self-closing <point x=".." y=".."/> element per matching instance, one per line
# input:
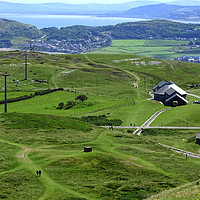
<point x="36" y="121"/>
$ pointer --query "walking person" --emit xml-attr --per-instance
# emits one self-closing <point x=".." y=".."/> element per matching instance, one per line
<point x="39" y="172"/>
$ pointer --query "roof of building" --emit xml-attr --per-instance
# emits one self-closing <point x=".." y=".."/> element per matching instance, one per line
<point x="177" y="95"/>
<point x="159" y="85"/>
<point x="170" y="91"/>
<point x="170" y="88"/>
<point x="198" y="136"/>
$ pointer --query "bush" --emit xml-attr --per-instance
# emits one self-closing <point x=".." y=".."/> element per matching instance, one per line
<point x="69" y="105"/>
<point x="60" y="105"/>
<point x="82" y="98"/>
<point x="129" y="131"/>
<point x="102" y="120"/>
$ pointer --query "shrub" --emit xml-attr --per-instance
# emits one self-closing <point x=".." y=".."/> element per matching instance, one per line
<point x="82" y="98"/>
<point x="60" y="105"/>
<point x="102" y="120"/>
<point x="69" y="105"/>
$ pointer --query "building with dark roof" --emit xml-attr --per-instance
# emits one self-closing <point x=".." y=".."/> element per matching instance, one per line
<point x="198" y="138"/>
<point x="169" y="94"/>
<point x="159" y="85"/>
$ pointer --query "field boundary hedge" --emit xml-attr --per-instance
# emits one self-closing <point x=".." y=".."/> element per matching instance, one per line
<point x="25" y="97"/>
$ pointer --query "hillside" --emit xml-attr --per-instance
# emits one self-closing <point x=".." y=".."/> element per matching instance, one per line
<point x="68" y="9"/>
<point x="175" y="10"/>
<point x="35" y="135"/>
<point x="155" y="29"/>
<point x="10" y="29"/>
<point x="120" y="75"/>
<point x="164" y="11"/>
<point x="75" y="39"/>
<point x="80" y="39"/>
<point x="185" y="2"/>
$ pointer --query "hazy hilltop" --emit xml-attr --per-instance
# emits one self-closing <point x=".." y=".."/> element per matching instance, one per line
<point x="186" y="3"/>
<point x="164" y="11"/>
<point x="63" y="8"/>
<point x="175" y="10"/>
<point x="11" y="28"/>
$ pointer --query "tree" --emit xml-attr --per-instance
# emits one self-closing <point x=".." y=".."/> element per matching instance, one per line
<point x="81" y="98"/>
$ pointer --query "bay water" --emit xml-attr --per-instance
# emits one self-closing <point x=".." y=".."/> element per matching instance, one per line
<point x="41" y="21"/>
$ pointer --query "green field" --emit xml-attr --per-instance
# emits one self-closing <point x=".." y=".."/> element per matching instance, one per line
<point x="35" y="135"/>
<point x="162" y="49"/>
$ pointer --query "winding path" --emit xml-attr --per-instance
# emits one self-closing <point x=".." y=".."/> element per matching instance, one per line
<point x="136" y="83"/>
<point x="50" y="185"/>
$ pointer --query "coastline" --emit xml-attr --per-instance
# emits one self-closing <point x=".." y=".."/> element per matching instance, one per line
<point x="58" y="21"/>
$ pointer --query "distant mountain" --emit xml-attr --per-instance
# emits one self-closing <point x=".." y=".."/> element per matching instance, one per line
<point x="66" y="9"/>
<point x="164" y="11"/>
<point x="186" y="3"/>
<point x="10" y="29"/>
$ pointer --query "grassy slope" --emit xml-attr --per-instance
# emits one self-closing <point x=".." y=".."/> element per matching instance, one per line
<point x="111" y="83"/>
<point x="122" y="166"/>
<point x="154" y="48"/>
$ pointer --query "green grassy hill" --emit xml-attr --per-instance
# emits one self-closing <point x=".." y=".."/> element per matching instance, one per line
<point x="11" y="28"/>
<point x="161" y="49"/>
<point x="35" y="135"/>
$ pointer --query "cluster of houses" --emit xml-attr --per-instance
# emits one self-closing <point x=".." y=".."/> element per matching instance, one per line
<point x="169" y="94"/>
<point x="188" y="58"/>
<point x="72" y="46"/>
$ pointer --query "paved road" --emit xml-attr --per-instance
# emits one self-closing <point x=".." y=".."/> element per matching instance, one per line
<point x="153" y="117"/>
<point x="149" y="121"/>
<point x="193" y="95"/>
<point x="187" y="153"/>
<point x="153" y="127"/>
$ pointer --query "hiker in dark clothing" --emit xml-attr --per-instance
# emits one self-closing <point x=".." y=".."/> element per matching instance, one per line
<point x="39" y="172"/>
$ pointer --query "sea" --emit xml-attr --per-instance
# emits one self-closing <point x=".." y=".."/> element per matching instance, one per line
<point x="44" y="21"/>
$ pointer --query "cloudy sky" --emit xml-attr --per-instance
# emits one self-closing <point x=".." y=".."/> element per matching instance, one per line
<point x="76" y="1"/>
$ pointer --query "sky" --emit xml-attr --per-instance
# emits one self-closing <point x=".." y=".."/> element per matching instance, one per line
<point x="76" y="1"/>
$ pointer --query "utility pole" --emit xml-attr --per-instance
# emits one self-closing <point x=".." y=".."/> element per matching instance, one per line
<point x="25" y="68"/>
<point x="75" y="95"/>
<point x="5" y="91"/>
<point x="31" y="47"/>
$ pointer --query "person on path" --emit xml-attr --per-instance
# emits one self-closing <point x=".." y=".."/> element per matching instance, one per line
<point x="39" y="172"/>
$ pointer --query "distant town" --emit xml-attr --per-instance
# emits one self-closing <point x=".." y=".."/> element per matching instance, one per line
<point x="72" y="46"/>
<point x="189" y="58"/>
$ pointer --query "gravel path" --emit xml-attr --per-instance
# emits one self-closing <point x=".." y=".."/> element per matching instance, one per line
<point x="187" y="153"/>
